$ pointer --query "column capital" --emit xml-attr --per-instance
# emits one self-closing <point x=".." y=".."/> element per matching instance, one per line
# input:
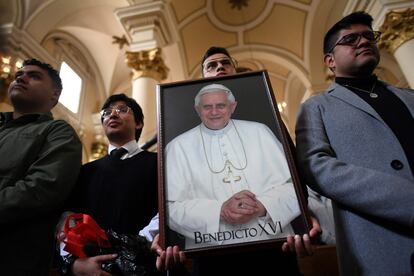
<point x="147" y="63"/>
<point x="98" y="150"/>
<point x="397" y="29"/>
<point x="148" y="24"/>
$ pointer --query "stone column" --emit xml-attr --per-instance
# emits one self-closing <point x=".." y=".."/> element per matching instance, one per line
<point x="148" y="26"/>
<point x="99" y="144"/>
<point x="148" y="70"/>
<point x="398" y="38"/>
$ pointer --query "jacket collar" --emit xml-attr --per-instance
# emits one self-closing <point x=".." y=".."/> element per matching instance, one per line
<point x="338" y="91"/>
<point x="6" y="118"/>
<point x="346" y="95"/>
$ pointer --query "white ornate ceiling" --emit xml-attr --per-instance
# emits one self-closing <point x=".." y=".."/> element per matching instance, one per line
<point x="281" y="36"/>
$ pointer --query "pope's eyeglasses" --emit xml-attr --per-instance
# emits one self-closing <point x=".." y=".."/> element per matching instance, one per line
<point x="211" y="65"/>
<point x="353" y="39"/>
<point x="123" y="109"/>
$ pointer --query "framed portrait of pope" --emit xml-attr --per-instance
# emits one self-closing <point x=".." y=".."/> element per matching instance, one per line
<point x="227" y="176"/>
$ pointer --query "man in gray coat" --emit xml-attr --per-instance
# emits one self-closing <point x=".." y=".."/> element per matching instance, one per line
<point x="355" y="145"/>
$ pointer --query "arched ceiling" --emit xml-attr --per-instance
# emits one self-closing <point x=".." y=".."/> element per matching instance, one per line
<point x="276" y="35"/>
<point x="91" y="22"/>
<point x="282" y="36"/>
<point x="254" y="30"/>
<point x="265" y="23"/>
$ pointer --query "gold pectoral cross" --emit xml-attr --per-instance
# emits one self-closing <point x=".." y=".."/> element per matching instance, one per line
<point x="230" y="178"/>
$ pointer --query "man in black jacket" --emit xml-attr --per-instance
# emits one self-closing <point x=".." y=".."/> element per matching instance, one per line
<point x="119" y="190"/>
<point x="39" y="162"/>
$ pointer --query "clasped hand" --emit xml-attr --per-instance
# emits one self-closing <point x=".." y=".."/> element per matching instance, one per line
<point x="241" y="208"/>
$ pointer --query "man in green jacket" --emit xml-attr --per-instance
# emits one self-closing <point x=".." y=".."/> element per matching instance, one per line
<point x="39" y="163"/>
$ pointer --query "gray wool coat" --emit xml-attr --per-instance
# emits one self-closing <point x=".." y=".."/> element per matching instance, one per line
<point x="347" y="153"/>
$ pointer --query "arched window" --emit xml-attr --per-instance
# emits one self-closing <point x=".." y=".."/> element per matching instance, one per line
<point x="72" y="87"/>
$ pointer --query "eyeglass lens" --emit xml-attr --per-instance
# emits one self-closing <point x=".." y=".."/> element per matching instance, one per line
<point x="354" y="38"/>
<point x="118" y="109"/>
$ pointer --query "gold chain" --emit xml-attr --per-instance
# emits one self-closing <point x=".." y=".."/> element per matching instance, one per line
<point x="371" y="93"/>
<point x="227" y="161"/>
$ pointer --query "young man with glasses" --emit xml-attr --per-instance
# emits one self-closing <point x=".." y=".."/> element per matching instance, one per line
<point x="355" y="146"/>
<point x="119" y="190"/>
<point x="217" y="62"/>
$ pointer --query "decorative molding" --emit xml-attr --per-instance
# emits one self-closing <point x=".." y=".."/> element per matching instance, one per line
<point x="67" y="47"/>
<point x="147" y="63"/>
<point x="397" y="29"/>
<point x="148" y="24"/>
<point x="355" y="5"/>
<point x="66" y="50"/>
<point x="239" y="4"/>
<point x="23" y="45"/>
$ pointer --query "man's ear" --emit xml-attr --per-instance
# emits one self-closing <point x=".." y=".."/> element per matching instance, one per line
<point x="55" y="96"/>
<point x="233" y="107"/>
<point x="139" y="125"/>
<point x="196" y="109"/>
<point x="329" y="61"/>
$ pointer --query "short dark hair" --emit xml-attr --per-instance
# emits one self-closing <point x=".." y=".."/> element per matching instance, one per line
<point x="212" y="51"/>
<point x="54" y="74"/>
<point x="331" y="36"/>
<point x="131" y="103"/>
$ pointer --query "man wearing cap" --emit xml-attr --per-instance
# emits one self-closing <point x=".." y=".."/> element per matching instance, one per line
<point x="246" y="189"/>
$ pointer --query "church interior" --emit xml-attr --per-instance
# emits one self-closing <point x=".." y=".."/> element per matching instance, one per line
<point x="129" y="46"/>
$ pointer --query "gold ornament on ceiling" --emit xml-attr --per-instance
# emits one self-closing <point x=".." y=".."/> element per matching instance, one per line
<point x="397" y="29"/>
<point x="229" y="14"/>
<point x="239" y="4"/>
<point x="147" y="63"/>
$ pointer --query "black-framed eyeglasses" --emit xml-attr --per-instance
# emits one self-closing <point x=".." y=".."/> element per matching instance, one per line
<point x="354" y="38"/>
<point x="122" y="109"/>
<point x="211" y="65"/>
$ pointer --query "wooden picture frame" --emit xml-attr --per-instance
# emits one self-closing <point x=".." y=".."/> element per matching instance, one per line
<point x="188" y="207"/>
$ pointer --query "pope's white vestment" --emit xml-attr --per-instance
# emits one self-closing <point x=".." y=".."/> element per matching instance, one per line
<point x="205" y="167"/>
